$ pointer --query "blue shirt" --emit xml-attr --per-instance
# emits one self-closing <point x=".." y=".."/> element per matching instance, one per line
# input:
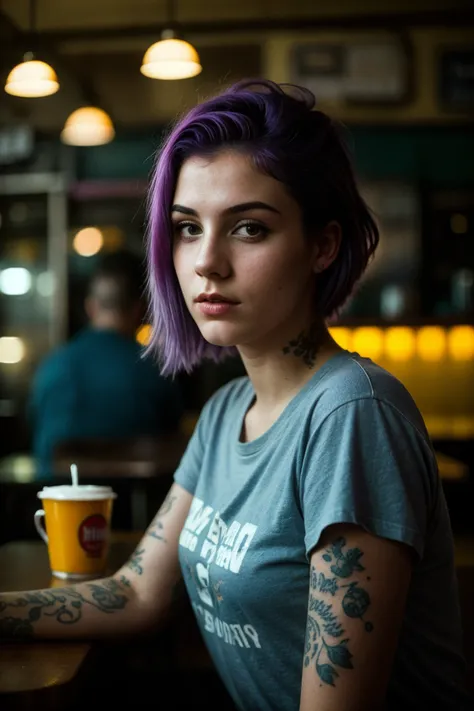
<point x="98" y="385"/>
<point x="350" y="447"/>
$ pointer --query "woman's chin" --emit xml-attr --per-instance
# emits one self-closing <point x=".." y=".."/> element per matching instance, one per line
<point x="219" y="336"/>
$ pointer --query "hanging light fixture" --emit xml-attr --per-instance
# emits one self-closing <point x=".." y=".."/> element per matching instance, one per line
<point x="171" y="57"/>
<point x="88" y="126"/>
<point x="32" y="78"/>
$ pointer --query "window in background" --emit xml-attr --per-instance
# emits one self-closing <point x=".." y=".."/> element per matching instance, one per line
<point x="390" y="289"/>
<point x="448" y="264"/>
<point x="31" y="230"/>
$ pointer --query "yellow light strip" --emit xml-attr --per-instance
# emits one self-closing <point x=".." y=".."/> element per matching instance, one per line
<point x="402" y="343"/>
<point x="452" y="427"/>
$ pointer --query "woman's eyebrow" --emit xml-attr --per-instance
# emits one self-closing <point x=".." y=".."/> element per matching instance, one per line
<point x="242" y="207"/>
<point x="184" y="210"/>
<point x="246" y="206"/>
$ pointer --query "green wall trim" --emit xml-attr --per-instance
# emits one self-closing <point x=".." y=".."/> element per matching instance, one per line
<point x="440" y="156"/>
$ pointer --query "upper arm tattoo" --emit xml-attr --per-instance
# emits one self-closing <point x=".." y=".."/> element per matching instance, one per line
<point x="155" y="530"/>
<point x="326" y="644"/>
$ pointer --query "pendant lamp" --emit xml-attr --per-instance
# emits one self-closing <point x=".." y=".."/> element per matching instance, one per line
<point x="171" y="57"/>
<point x="88" y="126"/>
<point x="32" y="78"/>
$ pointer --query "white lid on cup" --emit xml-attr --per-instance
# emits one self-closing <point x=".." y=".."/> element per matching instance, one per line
<point x="83" y="492"/>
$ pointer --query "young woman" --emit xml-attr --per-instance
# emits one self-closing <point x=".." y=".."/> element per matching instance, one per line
<point x="307" y="517"/>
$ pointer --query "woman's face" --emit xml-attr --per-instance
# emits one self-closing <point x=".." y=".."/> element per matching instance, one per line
<point x="244" y="265"/>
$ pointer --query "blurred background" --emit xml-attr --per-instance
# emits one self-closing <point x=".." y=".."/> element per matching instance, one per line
<point x="398" y="74"/>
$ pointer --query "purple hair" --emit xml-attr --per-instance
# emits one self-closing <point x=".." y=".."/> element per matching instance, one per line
<point x="287" y="140"/>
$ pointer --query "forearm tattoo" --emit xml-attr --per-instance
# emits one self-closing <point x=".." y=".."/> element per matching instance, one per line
<point x="326" y="645"/>
<point x="135" y="561"/>
<point x="307" y="344"/>
<point x="64" y="604"/>
<point x="155" y="530"/>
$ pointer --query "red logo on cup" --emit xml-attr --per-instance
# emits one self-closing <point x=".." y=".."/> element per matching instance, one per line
<point x="93" y="535"/>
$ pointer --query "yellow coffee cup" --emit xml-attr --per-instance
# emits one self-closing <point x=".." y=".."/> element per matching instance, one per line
<point x="78" y="522"/>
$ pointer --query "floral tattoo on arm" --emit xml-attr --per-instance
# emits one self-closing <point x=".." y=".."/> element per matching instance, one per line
<point x="326" y="645"/>
<point x="64" y="604"/>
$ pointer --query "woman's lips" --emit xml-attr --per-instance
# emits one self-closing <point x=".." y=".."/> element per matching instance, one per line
<point x="215" y="308"/>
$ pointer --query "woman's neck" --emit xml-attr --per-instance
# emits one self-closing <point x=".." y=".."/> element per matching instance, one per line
<point x="278" y="374"/>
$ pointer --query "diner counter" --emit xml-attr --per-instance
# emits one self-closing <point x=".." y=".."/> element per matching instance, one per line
<point x="38" y="665"/>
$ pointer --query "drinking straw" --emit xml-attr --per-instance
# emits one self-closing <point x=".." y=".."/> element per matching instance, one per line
<point x="74" y="475"/>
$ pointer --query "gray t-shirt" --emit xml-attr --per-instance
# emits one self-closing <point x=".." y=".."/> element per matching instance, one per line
<point x="350" y="447"/>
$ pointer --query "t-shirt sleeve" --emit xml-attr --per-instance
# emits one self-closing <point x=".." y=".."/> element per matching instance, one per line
<point x="368" y="465"/>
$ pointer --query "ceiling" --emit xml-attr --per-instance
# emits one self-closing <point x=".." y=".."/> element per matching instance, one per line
<point x="58" y="17"/>
<point x="96" y="47"/>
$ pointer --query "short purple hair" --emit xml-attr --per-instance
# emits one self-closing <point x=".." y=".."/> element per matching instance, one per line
<point x="287" y="140"/>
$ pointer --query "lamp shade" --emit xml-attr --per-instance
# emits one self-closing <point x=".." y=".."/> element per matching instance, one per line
<point x="32" y="78"/>
<point x="171" y="59"/>
<point x="88" y="126"/>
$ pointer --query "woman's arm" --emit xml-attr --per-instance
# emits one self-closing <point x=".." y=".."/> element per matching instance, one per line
<point x="357" y="595"/>
<point x="131" y="601"/>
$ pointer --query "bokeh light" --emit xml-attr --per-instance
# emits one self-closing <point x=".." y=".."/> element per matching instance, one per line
<point x="368" y="341"/>
<point x="431" y="343"/>
<point x="12" y="349"/>
<point x="88" y="241"/>
<point x="400" y="343"/>
<point x="461" y="342"/>
<point x="342" y="336"/>
<point x="46" y="284"/>
<point x="143" y="335"/>
<point x="15" y="281"/>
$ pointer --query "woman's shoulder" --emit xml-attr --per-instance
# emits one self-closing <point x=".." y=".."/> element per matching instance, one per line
<point x="354" y="376"/>
<point x="356" y="379"/>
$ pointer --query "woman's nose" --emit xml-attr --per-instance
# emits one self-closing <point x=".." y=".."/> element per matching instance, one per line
<point x="212" y="259"/>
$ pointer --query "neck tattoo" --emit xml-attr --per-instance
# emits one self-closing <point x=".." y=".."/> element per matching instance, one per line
<point x="307" y="344"/>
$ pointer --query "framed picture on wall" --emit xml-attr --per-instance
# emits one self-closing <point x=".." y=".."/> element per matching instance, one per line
<point x="370" y="70"/>
<point x="320" y="67"/>
<point x="378" y="72"/>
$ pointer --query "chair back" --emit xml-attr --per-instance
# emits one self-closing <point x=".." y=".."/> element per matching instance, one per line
<point x="138" y="457"/>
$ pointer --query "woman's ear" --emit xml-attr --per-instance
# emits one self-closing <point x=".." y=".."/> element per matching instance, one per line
<point x="328" y="243"/>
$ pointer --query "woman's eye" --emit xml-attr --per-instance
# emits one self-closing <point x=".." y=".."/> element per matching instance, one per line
<point x="187" y="230"/>
<point x="251" y="230"/>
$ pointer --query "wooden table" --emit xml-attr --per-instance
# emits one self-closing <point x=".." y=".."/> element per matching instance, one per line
<point x="44" y="665"/>
<point x="48" y="675"/>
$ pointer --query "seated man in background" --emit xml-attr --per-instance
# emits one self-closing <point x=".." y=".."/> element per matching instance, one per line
<point x="98" y="385"/>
